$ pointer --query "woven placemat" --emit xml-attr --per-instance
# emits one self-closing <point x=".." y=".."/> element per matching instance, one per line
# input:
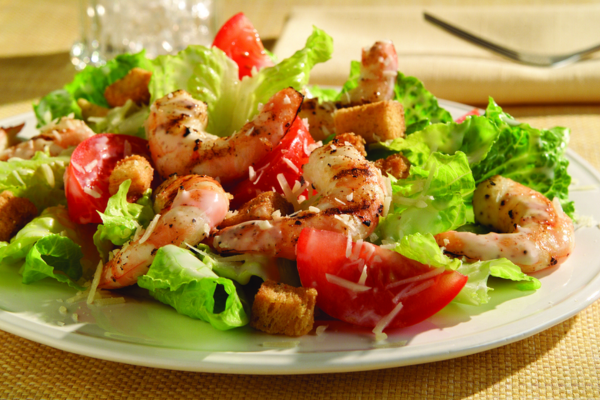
<point x="562" y="362"/>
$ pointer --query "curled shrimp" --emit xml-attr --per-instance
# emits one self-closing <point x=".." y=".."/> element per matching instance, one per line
<point x="351" y="200"/>
<point x="53" y="138"/>
<point x="537" y="234"/>
<point x="179" y="143"/>
<point x="378" y="71"/>
<point x="187" y="207"/>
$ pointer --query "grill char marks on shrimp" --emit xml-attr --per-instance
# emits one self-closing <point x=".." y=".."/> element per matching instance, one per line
<point x="179" y="143"/>
<point x="535" y="232"/>
<point x="351" y="196"/>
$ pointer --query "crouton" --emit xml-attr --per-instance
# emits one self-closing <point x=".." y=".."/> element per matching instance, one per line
<point x="134" y="87"/>
<point x="260" y="208"/>
<point x="396" y="165"/>
<point x="358" y="142"/>
<point x="375" y="122"/>
<point x="136" y="168"/>
<point x="15" y="213"/>
<point x="8" y="136"/>
<point x="319" y="116"/>
<point x="90" y="109"/>
<point x="283" y="309"/>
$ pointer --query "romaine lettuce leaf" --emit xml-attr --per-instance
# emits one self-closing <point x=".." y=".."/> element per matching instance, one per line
<point x="128" y="120"/>
<point x="431" y="199"/>
<point x="239" y="268"/>
<point x="474" y="137"/>
<point x="533" y="157"/>
<point x="179" y="279"/>
<point x="54" y="256"/>
<point x="210" y="76"/>
<point x="53" y="220"/>
<point x="476" y="291"/>
<point x="39" y="179"/>
<point x="121" y="219"/>
<point x="424" y="249"/>
<point x="88" y="84"/>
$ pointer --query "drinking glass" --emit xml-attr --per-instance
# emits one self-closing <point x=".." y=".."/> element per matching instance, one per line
<point x="112" y="27"/>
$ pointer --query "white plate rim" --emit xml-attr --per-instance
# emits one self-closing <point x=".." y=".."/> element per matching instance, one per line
<point x="281" y="362"/>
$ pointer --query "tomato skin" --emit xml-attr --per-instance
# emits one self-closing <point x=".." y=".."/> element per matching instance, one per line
<point x="474" y="111"/>
<point x="240" y="41"/>
<point x="107" y="149"/>
<point x="324" y="252"/>
<point x="291" y="147"/>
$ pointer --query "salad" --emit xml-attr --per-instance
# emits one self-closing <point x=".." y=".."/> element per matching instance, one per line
<point x="221" y="183"/>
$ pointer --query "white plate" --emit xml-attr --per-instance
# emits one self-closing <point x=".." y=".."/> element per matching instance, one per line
<point x="145" y="332"/>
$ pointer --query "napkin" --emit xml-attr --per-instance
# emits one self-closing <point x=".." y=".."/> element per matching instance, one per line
<point x="452" y="68"/>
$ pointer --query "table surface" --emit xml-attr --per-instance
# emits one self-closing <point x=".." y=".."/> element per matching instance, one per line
<point x="561" y="362"/>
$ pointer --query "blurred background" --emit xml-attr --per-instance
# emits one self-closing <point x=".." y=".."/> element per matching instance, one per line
<point x="36" y="37"/>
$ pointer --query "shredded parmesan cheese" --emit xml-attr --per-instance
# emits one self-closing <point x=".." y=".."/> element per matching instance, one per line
<point x="251" y="173"/>
<point x="412" y="291"/>
<point x="290" y="164"/>
<point x="314" y="209"/>
<point x="109" y="301"/>
<point x="18" y="177"/>
<point x="350" y="196"/>
<point x="48" y="174"/>
<point x="91" y="165"/>
<point x="355" y="287"/>
<point x="426" y="275"/>
<point x="363" y="276"/>
<point x="92" y="192"/>
<point x="95" y="282"/>
<point x="77" y="167"/>
<point x="384" y="322"/>
<point x="320" y="329"/>
<point x="151" y="227"/>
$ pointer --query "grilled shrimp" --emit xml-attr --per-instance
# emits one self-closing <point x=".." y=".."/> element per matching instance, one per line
<point x="351" y="201"/>
<point x="179" y="143"/>
<point x="378" y="71"/>
<point x="54" y="138"/>
<point x="537" y="234"/>
<point x="187" y="207"/>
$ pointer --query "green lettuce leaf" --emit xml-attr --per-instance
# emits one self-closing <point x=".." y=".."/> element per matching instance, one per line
<point x="533" y="157"/>
<point x="210" y="76"/>
<point x="53" y="220"/>
<point x="39" y="179"/>
<point x="54" y="256"/>
<point x="474" y="137"/>
<point x="88" y="84"/>
<point x="239" y="268"/>
<point x="179" y="279"/>
<point x="424" y="249"/>
<point x="476" y="291"/>
<point x="128" y="120"/>
<point x="431" y="199"/>
<point x="121" y="219"/>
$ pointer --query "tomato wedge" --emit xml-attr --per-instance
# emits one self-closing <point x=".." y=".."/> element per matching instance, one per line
<point x="86" y="178"/>
<point x="287" y="158"/>
<point x="391" y="279"/>
<point x="240" y="41"/>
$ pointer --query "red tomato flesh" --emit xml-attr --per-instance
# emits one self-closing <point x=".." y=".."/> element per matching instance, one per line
<point x="324" y="252"/>
<point x="472" y="112"/>
<point x="86" y="181"/>
<point x="240" y="41"/>
<point x="293" y="148"/>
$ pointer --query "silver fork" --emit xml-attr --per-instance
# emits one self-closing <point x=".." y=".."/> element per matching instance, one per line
<point x="538" y="60"/>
